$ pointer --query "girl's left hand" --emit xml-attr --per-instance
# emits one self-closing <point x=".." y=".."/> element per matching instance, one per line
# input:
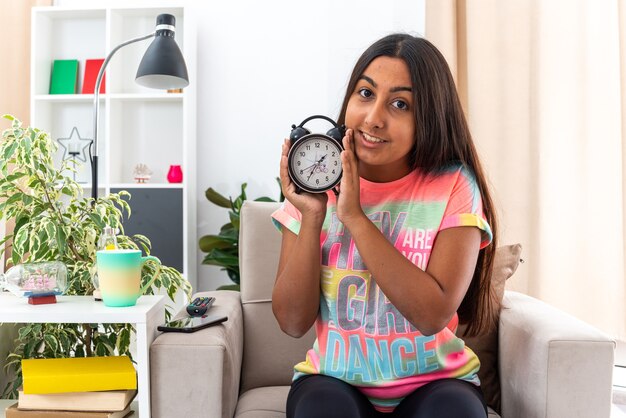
<point x="348" y="201"/>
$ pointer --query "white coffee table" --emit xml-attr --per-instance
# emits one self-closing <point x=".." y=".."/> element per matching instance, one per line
<point x="146" y="316"/>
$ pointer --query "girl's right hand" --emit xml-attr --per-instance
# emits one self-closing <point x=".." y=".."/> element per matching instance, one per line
<point x="309" y="204"/>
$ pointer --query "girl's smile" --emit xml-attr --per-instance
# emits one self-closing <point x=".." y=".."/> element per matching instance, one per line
<point x="370" y="139"/>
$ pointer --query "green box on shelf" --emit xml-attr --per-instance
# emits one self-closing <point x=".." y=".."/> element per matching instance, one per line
<point x="64" y="77"/>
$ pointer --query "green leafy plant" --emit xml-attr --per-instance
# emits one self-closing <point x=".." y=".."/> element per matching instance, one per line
<point x="53" y="221"/>
<point x="223" y="248"/>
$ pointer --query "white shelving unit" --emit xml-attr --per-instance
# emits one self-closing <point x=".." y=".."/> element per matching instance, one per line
<point x="137" y="124"/>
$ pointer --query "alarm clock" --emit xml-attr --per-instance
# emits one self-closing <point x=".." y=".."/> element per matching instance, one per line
<point x="314" y="159"/>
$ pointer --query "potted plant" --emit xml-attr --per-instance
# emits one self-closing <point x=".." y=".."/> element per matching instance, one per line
<point x="53" y="221"/>
<point x="223" y="248"/>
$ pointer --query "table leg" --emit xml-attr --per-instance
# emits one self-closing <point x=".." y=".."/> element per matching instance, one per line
<point x="146" y="333"/>
<point x="143" y="371"/>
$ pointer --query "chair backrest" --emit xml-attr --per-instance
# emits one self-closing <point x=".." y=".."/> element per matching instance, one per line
<point x="268" y="354"/>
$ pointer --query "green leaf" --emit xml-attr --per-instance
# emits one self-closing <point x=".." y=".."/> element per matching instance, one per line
<point x="264" y="199"/>
<point x="23" y="332"/>
<point x="8" y="151"/>
<point x="229" y="230"/>
<point x="234" y="219"/>
<point x="229" y="287"/>
<point x="80" y="351"/>
<point x="28" y="348"/>
<point x="21" y="239"/>
<point x="209" y="242"/>
<point x="27" y="200"/>
<point x="233" y="273"/>
<point x="123" y="340"/>
<point x="237" y="204"/>
<point x="64" y="342"/>
<point x="66" y="190"/>
<point x="17" y="197"/>
<point x="51" y="342"/>
<point x="221" y="258"/>
<point x="20" y="222"/>
<point x="217" y="199"/>
<point x="14" y="176"/>
<point x="17" y="383"/>
<point x="97" y="220"/>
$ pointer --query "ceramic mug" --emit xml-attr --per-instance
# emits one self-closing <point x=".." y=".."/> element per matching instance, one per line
<point x="119" y="276"/>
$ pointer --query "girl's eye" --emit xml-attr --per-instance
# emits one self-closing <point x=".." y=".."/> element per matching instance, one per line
<point x="365" y="92"/>
<point x="400" y="104"/>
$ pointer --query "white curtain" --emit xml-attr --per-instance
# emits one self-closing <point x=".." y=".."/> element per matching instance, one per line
<point x="543" y="84"/>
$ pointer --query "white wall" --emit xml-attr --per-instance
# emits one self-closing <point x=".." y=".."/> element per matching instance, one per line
<point x="262" y="66"/>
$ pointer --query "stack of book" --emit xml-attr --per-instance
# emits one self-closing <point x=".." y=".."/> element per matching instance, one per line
<point x="90" y="387"/>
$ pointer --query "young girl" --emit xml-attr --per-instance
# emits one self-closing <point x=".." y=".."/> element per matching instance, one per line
<point x="383" y="268"/>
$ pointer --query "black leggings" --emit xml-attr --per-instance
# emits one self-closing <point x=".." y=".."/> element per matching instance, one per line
<point x="319" y="396"/>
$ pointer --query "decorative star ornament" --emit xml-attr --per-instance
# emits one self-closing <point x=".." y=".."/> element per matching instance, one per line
<point x="76" y="143"/>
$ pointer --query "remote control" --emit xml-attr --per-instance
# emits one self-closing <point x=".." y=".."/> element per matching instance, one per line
<point x="199" y="306"/>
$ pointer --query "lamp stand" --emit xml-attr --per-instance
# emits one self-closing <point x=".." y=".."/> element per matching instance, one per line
<point x="96" y="117"/>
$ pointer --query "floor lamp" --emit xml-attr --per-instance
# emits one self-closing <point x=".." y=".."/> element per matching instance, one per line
<point x="162" y="67"/>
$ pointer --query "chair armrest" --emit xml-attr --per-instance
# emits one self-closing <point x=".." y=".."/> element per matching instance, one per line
<point x="552" y="364"/>
<point x="197" y="374"/>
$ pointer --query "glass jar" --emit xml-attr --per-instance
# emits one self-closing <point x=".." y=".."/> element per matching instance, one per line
<point x="35" y="279"/>
<point x="108" y="241"/>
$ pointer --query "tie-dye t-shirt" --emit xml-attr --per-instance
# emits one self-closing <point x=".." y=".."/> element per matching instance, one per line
<point x="361" y="337"/>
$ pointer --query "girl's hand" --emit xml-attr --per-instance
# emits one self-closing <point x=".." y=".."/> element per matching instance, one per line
<point x="348" y="202"/>
<point x="309" y="204"/>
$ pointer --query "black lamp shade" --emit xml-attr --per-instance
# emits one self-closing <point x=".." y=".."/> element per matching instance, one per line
<point x="163" y="66"/>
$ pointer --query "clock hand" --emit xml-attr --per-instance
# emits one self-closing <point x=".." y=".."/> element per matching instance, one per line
<point x="312" y="171"/>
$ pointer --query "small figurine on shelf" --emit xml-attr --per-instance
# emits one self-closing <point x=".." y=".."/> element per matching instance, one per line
<point x="142" y="173"/>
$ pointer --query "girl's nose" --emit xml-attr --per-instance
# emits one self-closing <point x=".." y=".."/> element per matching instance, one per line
<point x="375" y="116"/>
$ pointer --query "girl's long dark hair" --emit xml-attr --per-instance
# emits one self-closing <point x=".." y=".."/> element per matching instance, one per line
<point x="442" y="138"/>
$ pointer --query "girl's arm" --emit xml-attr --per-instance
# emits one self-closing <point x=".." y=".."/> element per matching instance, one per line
<point x="296" y="294"/>
<point x="428" y="299"/>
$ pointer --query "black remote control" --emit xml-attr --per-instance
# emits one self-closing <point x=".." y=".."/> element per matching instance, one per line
<point x="200" y="305"/>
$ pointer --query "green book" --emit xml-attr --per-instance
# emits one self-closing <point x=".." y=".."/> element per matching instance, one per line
<point x="64" y="77"/>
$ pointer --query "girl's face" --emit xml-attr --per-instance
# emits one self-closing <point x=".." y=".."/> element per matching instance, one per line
<point x="380" y="111"/>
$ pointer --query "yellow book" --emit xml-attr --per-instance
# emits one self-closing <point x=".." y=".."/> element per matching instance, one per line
<point x="82" y="374"/>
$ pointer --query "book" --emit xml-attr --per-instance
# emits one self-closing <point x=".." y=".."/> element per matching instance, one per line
<point x="13" y="412"/>
<point x="92" y="68"/>
<point x="78" y="374"/>
<point x="64" y="77"/>
<point x="110" y="400"/>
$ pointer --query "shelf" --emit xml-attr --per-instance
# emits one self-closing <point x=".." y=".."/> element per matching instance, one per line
<point x="148" y="96"/>
<point x="68" y="13"/>
<point x="146" y="186"/>
<point x="80" y="98"/>
<point x="137" y="125"/>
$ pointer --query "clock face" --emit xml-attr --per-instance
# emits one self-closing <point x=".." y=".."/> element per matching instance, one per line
<point x="315" y="163"/>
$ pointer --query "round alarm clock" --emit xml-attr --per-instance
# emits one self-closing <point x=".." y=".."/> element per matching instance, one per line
<point x="314" y="159"/>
